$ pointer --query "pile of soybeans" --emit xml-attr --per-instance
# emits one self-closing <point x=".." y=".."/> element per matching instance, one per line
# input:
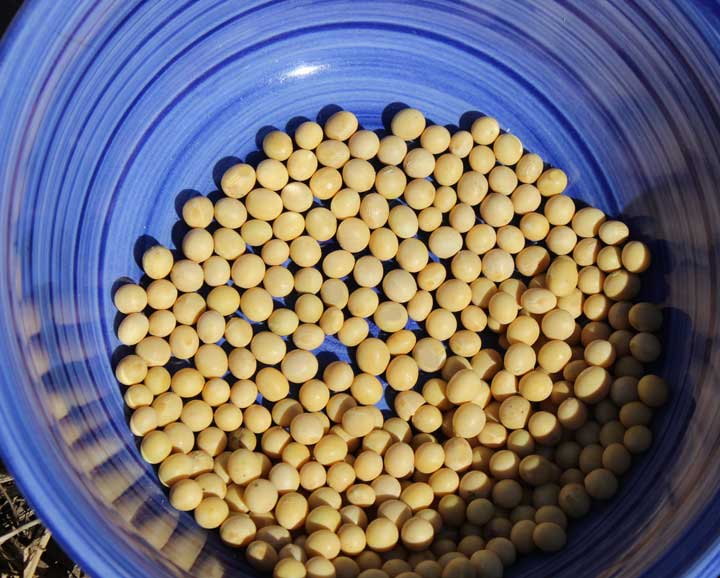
<point x="500" y="317"/>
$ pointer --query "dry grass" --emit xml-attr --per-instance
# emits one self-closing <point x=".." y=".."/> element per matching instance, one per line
<point x="27" y="549"/>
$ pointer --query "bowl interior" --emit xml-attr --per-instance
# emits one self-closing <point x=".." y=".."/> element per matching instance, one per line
<point x="117" y="112"/>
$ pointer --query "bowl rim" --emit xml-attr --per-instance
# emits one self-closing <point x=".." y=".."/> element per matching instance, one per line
<point x="95" y="557"/>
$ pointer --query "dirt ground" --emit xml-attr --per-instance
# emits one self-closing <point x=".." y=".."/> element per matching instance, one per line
<point x="27" y="549"/>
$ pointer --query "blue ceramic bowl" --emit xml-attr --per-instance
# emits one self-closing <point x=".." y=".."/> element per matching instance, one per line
<point x="112" y="112"/>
